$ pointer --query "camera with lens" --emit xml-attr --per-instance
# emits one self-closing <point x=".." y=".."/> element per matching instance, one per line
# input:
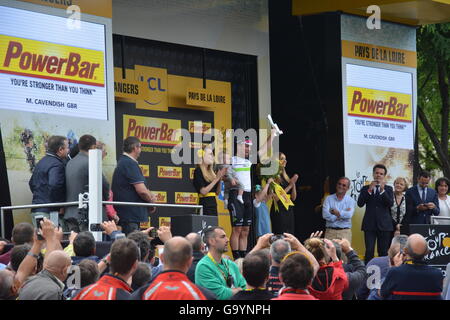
<point x="275" y="237"/>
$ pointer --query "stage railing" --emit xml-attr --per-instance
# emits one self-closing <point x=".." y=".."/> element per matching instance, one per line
<point x="70" y="204"/>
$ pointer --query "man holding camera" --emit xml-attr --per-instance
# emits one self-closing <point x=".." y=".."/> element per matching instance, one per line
<point x="337" y="210"/>
<point x="215" y="273"/>
<point x="377" y="222"/>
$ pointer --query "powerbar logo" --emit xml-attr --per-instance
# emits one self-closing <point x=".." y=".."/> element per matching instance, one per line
<point x="170" y="172"/>
<point x="152" y="131"/>
<point x="186" y="198"/>
<point x="161" y="196"/>
<point x="51" y="61"/>
<point x="145" y="169"/>
<point x="199" y="127"/>
<point x="379" y="104"/>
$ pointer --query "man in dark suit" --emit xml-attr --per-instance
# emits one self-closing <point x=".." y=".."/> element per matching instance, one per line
<point x="377" y="225"/>
<point x="421" y="201"/>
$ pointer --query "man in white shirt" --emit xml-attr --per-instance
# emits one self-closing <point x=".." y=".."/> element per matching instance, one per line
<point x="338" y="210"/>
<point x="241" y="213"/>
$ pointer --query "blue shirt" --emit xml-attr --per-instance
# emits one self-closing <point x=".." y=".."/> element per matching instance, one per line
<point x="346" y="208"/>
<point x="126" y="175"/>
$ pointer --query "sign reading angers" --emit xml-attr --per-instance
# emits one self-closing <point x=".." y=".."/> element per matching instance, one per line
<point x="206" y="97"/>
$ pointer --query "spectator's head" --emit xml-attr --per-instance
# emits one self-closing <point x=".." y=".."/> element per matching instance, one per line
<point x="296" y="271"/>
<point x="124" y="258"/>
<point x="22" y="233"/>
<point x="441" y="186"/>
<point x="317" y="248"/>
<point x="18" y="253"/>
<point x="342" y="185"/>
<point x="424" y="179"/>
<point x="87" y="142"/>
<point x="58" y="263"/>
<point x="84" y="244"/>
<point x="400" y="185"/>
<point x="177" y="254"/>
<point x="7" y="288"/>
<point x="58" y="145"/>
<point x="278" y="250"/>
<point x="132" y="146"/>
<point x="416" y="247"/>
<point x="102" y="146"/>
<point x="216" y="240"/>
<point x="142" y="242"/>
<point x="398" y="243"/>
<point x="89" y="272"/>
<point x="379" y="172"/>
<point x="196" y="241"/>
<point x="141" y="276"/>
<point x="255" y="268"/>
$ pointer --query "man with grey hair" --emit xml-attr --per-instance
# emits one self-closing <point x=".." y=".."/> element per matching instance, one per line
<point x="7" y="288"/>
<point x="197" y="252"/>
<point x="378" y="267"/>
<point x="337" y="210"/>
<point x="413" y="280"/>
<point x="278" y="250"/>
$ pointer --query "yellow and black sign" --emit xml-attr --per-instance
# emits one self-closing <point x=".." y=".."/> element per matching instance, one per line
<point x="31" y="58"/>
<point x="145" y="170"/>
<point x="200" y="127"/>
<point x="164" y="221"/>
<point x="191" y="173"/>
<point x="129" y="89"/>
<point x="170" y="172"/>
<point x="369" y="52"/>
<point x="186" y="198"/>
<point x="370" y="103"/>
<point x="161" y="196"/>
<point x="152" y="131"/>
<point x="206" y="97"/>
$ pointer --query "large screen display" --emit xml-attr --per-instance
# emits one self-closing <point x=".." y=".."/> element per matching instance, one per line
<point x="379" y="107"/>
<point x="49" y="67"/>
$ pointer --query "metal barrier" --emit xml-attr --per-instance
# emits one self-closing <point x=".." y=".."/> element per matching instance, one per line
<point x="70" y="204"/>
<point x="438" y="220"/>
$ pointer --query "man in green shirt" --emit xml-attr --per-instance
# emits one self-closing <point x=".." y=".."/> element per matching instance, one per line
<point x="219" y="275"/>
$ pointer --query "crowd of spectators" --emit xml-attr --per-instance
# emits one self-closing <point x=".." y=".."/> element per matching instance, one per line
<point x="40" y="266"/>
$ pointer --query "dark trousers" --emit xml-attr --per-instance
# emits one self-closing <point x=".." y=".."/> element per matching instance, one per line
<point x="383" y="239"/>
<point x="129" y="227"/>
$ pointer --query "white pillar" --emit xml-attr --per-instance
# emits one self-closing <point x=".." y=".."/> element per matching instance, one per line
<point x="95" y="190"/>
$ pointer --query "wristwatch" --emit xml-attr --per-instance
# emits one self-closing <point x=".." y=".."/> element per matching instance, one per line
<point x="31" y="254"/>
<point x="105" y="261"/>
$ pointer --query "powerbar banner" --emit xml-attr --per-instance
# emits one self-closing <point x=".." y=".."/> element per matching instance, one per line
<point x="53" y="81"/>
<point x="61" y="72"/>
<point x="379" y="95"/>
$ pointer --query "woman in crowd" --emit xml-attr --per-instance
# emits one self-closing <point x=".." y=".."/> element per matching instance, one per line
<point x="444" y="200"/>
<point x="331" y="280"/>
<point x="398" y="210"/>
<point x="207" y="182"/>
<point x="282" y="219"/>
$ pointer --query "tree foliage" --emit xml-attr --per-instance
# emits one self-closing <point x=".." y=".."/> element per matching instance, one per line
<point x="433" y="75"/>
